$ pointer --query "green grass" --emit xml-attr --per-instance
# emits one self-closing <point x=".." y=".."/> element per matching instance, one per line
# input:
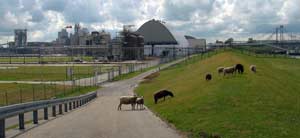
<point x="47" y="73"/>
<point x="20" y="93"/>
<point x="261" y="105"/>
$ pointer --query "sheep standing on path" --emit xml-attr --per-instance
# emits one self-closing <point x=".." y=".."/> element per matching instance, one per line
<point x="253" y="68"/>
<point x="127" y="100"/>
<point x="140" y="102"/>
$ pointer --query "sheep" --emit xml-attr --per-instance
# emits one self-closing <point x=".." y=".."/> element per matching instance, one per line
<point x="208" y="77"/>
<point x="253" y="68"/>
<point x="127" y="100"/>
<point x="220" y="70"/>
<point x="229" y="70"/>
<point x="162" y="94"/>
<point x="239" y="68"/>
<point x="140" y="102"/>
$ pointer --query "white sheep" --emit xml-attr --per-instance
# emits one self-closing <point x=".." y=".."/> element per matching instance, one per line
<point x="127" y="100"/>
<point x="253" y="68"/>
<point x="140" y="102"/>
<point x="229" y="70"/>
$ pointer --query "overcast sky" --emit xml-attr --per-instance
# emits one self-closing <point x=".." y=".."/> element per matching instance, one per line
<point x="210" y="19"/>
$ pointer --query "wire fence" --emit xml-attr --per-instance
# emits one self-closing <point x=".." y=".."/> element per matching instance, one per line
<point x="55" y="80"/>
<point x="263" y="52"/>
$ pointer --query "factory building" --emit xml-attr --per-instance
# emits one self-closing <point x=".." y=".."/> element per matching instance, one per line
<point x="20" y="37"/>
<point x="63" y="38"/>
<point x="133" y="45"/>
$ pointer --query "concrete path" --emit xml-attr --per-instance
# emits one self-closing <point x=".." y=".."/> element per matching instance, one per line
<point x="100" y="119"/>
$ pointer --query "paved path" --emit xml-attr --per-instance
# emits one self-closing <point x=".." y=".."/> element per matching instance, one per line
<point x="100" y="119"/>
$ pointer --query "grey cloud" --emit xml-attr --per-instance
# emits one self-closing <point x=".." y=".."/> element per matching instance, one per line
<point x="54" y="5"/>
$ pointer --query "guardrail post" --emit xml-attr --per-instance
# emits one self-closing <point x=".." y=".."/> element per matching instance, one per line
<point x="2" y="128"/>
<point x="60" y="109"/>
<point x="66" y="107"/>
<point x="54" y="111"/>
<point x="21" y="121"/>
<point x="35" y="117"/>
<point x="70" y="105"/>
<point x="46" y="113"/>
<point x="80" y="102"/>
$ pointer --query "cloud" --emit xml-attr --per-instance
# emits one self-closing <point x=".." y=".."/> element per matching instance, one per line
<point x="211" y="19"/>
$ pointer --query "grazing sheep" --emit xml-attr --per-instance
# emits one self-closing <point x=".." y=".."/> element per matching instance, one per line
<point x="229" y="70"/>
<point x="140" y="102"/>
<point x="239" y="68"/>
<point x="253" y="68"/>
<point x="162" y="94"/>
<point x="127" y="100"/>
<point x="208" y="77"/>
<point x="220" y="70"/>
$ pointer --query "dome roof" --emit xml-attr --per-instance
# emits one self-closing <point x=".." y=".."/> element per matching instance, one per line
<point x="155" y="33"/>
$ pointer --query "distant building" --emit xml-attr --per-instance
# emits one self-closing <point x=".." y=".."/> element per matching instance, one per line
<point x="20" y="37"/>
<point x="196" y="43"/>
<point x="63" y="37"/>
<point x="133" y="46"/>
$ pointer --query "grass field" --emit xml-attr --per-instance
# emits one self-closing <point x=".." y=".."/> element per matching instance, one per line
<point x="48" y="73"/>
<point x="261" y="105"/>
<point x="19" y="93"/>
<point x="42" y="59"/>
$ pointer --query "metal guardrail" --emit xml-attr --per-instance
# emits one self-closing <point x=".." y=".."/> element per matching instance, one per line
<point x="20" y="109"/>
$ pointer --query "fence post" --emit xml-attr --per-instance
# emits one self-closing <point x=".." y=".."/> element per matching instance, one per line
<point x="54" y="111"/>
<point x="66" y="107"/>
<point x="21" y="121"/>
<point x="6" y="98"/>
<point x="120" y="70"/>
<point x="44" y="91"/>
<point x="60" y="109"/>
<point x="21" y="96"/>
<point x="35" y="117"/>
<point x="33" y="93"/>
<point x="46" y="113"/>
<point x="2" y="128"/>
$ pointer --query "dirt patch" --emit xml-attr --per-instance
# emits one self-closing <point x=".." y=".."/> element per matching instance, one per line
<point x="150" y="77"/>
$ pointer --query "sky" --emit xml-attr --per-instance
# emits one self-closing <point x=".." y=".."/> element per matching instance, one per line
<point x="209" y="19"/>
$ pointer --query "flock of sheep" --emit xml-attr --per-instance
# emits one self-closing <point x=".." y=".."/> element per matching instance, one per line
<point x="138" y="102"/>
<point x="231" y="70"/>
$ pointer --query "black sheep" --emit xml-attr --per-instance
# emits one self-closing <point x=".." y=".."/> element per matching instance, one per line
<point x="162" y="94"/>
<point x="208" y="77"/>
<point x="239" y="68"/>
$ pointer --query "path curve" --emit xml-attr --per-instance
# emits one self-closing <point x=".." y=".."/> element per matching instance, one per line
<point x="100" y="119"/>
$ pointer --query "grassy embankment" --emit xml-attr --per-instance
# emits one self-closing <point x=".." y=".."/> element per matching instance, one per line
<point x="261" y="105"/>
